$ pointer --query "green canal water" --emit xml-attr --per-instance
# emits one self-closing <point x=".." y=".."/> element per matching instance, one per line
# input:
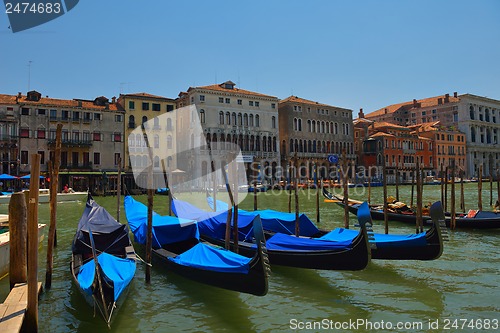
<point x="435" y="296"/>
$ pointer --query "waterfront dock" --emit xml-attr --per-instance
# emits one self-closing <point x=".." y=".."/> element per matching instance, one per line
<point x="13" y="309"/>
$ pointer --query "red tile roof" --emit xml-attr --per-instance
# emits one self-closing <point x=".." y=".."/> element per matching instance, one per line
<point x="426" y="102"/>
<point x="143" y="94"/>
<point x="295" y="99"/>
<point x="221" y="88"/>
<point x="53" y="102"/>
<point x="380" y="124"/>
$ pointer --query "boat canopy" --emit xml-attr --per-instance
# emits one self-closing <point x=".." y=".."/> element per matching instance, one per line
<point x="382" y="240"/>
<point x="109" y="235"/>
<point x="120" y="271"/>
<point x="166" y="229"/>
<point x="271" y="220"/>
<point x="293" y="243"/>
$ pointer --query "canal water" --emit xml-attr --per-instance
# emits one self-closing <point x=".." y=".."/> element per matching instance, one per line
<point x="457" y="293"/>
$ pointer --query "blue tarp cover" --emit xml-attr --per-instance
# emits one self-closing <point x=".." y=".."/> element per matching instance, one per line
<point x="292" y="243"/>
<point x="120" y="271"/>
<point x="166" y="229"/>
<point x="340" y="234"/>
<point x="275" y="221"/>
<point x="207" y="257"/>
<point x="383" y="240"/>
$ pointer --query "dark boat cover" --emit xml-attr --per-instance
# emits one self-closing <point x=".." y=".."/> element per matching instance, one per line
<point x="381" y="240"/>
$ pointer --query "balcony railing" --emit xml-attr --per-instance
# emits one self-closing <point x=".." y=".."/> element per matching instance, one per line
<point x="72" y="143"/>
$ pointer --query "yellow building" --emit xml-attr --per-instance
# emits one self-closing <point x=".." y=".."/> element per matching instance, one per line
<point x="139" y="109"/>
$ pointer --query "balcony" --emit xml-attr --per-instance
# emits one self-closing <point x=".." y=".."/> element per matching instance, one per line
<point x="72" y="143"/>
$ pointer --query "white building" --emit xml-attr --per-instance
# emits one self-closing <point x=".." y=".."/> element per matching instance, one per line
<point x="232" y="115"/>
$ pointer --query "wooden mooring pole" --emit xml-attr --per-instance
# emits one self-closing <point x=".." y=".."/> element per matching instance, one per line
<point x="318" y="189"/>
<point x="118" y="189"/>
<point x="462" y="197"/>
<point x="235" y="196"/>
<point x="491" y="189"/>
<point x="452" y="204"/>
<point x="18" y="226"/>
<point x="480" y="189"/>
<point x="32" y="307"/>
<point x="386" y="207"/>
<point x="345" y="178"/>
<point x="290" y="186"/>
<point x="445" y="204"/>
<point x="54" y="184"/>
<point x="296" y="182"/>
<point x="397" y="183"/>
<point x="412" y="187"/>
<point x="442" y="184"/>
<point x="149" y="237"/>
<point x="419" y="197"/>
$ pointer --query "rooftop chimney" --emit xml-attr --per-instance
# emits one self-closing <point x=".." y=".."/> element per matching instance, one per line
<point x="113" y="99"/>
<point x="446" y="98"/>
<point x="361" y="114"/>
<point x="440" y="100"/>
<point x="385" y="111"/>
<point x="414" y="103"/>
<point x="455" y="94"/>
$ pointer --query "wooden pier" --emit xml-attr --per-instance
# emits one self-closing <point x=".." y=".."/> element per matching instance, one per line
<point x="13" y="310"/>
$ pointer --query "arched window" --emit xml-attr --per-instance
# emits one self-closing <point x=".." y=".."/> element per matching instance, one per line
<point x="144" y="121"/>
<point x="157" y="141"/>
<point x="214" y="141"/>
<point x="156" y="162"/>
<point x="234" y="118"/>
<point x="245" y="119"/>
<point x="291" y="145"/>
<point x="471" y="112"/>
<point x="240" y="119"/>
<point x="273" y="122"/>
<point x="169" y="142"/>
<point x="257" y="121"/>
<point x="309" y="125"/>
<point x="202" y="116"/>
<point x="473" y="134"/>
<point x="275" y="148"/>
<point x="131" y="122"/>
<point x="346" y="129"/>
<point x="156" y="122"/>
<point x="487" y="115"/>
<point x="314" y="126"/>
<point x="264" y="143"/>
<point x="169" y="124"/>
<point x="251" y="119"/>
<point x="228" y="118"/>
<point x="294" y="124"/>
<point x="221" y="117"/>
<point x="299" y="121"/>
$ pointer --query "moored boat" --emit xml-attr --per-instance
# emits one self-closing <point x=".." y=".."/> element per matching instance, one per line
<point x="44" y="197"/>
<point x="176" y="242"/>
<point x="314" y="249"/>
<point x="102" y="260"/>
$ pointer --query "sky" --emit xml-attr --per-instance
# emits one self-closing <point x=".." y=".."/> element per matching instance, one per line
<point x="350" y="54"/>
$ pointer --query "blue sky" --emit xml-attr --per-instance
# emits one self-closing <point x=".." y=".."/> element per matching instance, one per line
<point x="352" y="54"/>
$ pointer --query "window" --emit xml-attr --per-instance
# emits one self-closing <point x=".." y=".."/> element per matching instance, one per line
<point x="273" y="122"/>
<point x="221" y="118"/>
<point x="221" y="99"/>
<point x="117" y="158"/>
<point x="169" y="142"/>
<point x="250" y="103"/>
<point x="257" y="104"/>
<point x="40" y="134"/>
<point x="65" y="114"/>
<point x="131" y="105"/>
<point x="97" y="116"/>
<point x="202" y="98"/>
<point x="170" y="108"/>
<point x="41" y="112"/>
<point x="52" y="134"/>
<point x="97" y="158"/>
<point x="240" y="102"/>
<point x="202" y="116"/>
<point x="228" y="118"/>
<point x="251" y="120"/>
<point x="157" y="141"/>
<point x="53" y="114"/>
<point x="257" y="121"/>
<point x="24" y="157"/>
<point x="97" y="136"/>
<point x="228" y="100"/>
<point x="25" y="112"/>
<point x="65" y="135"/>
<point x="24" y="133"/>
<point x="145" y="106"/>
<point x="273" y="106"/>
<point x="118" y="118"/>
<point x="76" y="136"/>
<point x="42" y="156"/>
<point x="86" y="136"/>
<point x="117" y="137"/>
<point x="245" y="119"/>
<point x="240" y="119"/>
<point x="76" y="115"/>
<point x="156" y="107"/>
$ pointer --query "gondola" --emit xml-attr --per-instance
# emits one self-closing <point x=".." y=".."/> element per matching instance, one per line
<point x="176" y="242"/>
<point x="423" y="246"/>
<point x="103" y="259"/>
<point x="309" y="251"/>
<point x="472" y="220"/>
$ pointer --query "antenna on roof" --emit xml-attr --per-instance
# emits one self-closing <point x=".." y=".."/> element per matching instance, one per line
<point x="29" y="74"/>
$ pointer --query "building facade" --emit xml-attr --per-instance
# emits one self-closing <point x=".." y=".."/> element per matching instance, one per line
<point x="9" y="135"/>
<point x="92" y="135"/>
<point x="313" y="131"/>
<point x="475" y="116"/>
<point x="143" y="109"/>
<point x="232" y="115"/>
